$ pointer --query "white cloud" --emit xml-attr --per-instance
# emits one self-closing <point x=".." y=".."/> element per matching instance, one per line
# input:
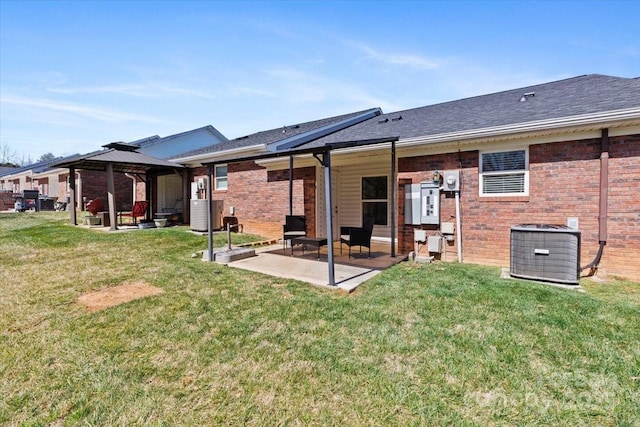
<point x="245" y="90"/>
<point x="123" y="89"/>
<point x="415" y="61"/>
<point x="101" y="114"/>
<point x="139" y="90"/>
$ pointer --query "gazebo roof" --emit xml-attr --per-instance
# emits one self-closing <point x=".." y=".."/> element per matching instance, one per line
<point x="125" y="161"/>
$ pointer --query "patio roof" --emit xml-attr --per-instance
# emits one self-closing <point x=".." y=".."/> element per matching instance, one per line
<point x="308" y="148"/>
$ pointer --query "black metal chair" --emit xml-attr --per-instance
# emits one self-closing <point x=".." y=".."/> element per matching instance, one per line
<point x="357" y="236"/>
<point x="294" y="226"/>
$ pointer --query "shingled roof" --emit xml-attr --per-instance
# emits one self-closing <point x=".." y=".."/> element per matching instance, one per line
<point x="583" y="95"/>
<point x="277" y="135"/>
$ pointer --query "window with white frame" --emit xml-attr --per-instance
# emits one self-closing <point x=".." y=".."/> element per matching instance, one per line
<point x="504" y="173"/>
<point x="220" y="177"/>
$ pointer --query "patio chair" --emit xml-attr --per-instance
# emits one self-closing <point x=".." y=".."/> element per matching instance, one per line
<point x="139" y="209"/>
<point x="95" y="205"/>
<point x="294" y="226"/>
<point x="357" y="236"/>
<point x="232" y="223"/>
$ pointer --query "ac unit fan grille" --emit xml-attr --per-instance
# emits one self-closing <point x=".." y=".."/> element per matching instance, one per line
<point x="549" y="253"/>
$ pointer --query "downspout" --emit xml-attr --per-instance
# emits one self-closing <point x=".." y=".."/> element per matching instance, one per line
<point x="134" y="185"/>
<point x="604" y="203"/>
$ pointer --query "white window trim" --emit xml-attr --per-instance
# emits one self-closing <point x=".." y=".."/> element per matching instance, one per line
<point x="525" y="172"/>
<point x="216" y="178"/>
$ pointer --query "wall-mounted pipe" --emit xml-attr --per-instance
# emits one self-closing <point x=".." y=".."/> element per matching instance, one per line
<point x="604" y="202"/>
<point x="134" y="184"/>
<point x="458" y="227"/>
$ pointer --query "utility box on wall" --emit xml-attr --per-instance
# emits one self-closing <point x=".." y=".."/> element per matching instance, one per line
<point x="434" y="244"/>
<point x="422" y="203"/>
<point x="451" y="181"/>
<point x="412" y="204"/>
<point x="429" y="203"/>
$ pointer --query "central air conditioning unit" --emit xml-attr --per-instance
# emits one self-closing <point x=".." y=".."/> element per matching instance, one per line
<point x="199" y="214"/>
<point x="545" y="252"/>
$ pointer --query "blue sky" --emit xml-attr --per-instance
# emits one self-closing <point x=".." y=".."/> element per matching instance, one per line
<point x="77" y="75"/>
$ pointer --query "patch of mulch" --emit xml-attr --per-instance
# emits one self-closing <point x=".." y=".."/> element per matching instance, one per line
<point x="116" y="295"/>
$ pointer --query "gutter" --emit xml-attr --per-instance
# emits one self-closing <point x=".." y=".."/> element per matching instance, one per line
<point x="604" y="203"/>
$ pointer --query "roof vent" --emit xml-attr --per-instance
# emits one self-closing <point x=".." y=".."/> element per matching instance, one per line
<point x="396" y="119"/>
<point x="383" y="121"/>
<point x="527" y="95"/>
<point x="120" y="146"/>
<point x="284" y="128"/>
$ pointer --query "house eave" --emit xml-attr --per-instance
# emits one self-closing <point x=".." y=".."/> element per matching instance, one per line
<point x="50" y="172"/>
<point x="626" y="116"/>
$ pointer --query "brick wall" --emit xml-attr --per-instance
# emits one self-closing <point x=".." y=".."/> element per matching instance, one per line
<point x="622" y="252"/>
<point x="261" y="197"/>
<point x="94" y="185"/>
<point x="7" y="201"/>
<point x="418" y="169"/>
<point x="564" y="182"/>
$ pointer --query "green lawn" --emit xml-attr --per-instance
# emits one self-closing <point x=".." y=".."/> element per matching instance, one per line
<point x="439" y="344"/>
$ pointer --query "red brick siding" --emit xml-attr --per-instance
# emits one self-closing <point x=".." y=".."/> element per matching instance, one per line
<point x="6" y="200"/>
<point x="418" y="169"/>
<point x="94" y="185"/>
<point x="261" y="197"/>
<point x="563" y="182"/>
<point x="622" y="252"/>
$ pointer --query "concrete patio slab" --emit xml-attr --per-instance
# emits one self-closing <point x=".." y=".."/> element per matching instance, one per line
<point x="347" y="278"/>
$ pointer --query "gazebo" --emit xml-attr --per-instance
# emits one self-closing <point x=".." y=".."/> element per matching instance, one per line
<point x="119" y="157"/>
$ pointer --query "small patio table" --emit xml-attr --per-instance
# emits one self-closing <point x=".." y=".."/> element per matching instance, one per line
<point x="317" y="242"/>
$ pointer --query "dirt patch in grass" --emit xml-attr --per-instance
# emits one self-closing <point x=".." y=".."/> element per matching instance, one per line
<point x="110" y="297"/>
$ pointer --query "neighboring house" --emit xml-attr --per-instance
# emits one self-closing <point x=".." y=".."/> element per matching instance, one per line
<point x="53" y="182"/>
<point x="169" y="188"/>
<point x="528" y="155"/>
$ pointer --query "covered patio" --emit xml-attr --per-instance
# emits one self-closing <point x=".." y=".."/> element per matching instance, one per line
<point x="322" y="153"/>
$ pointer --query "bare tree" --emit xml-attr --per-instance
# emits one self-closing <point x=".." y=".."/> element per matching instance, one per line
<point x="25" y="160"/>
<point x="8" y="157"/>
